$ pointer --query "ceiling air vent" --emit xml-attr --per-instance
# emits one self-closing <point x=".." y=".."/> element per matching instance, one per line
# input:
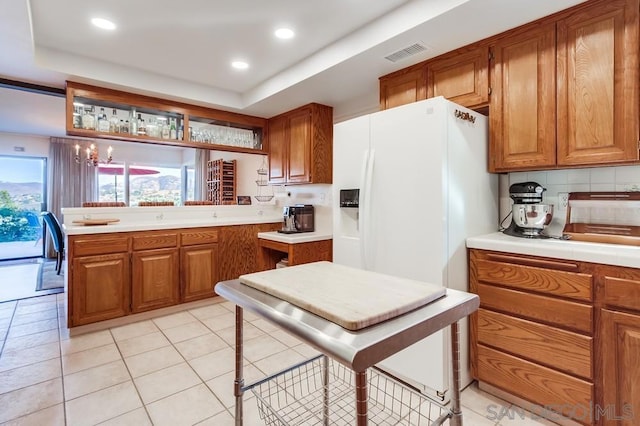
<point x="406" y="52"/>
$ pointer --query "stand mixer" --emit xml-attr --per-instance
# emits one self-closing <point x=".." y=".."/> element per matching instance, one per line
<point x="529" y="217"/>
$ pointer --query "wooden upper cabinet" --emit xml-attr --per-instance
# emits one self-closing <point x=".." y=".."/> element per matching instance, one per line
<point x="403" y="87"/>
<point x="461" y="76"/>
<point x="277" y="150"/>
<point x="301" y="146"/>
<point x="522" y="117"/>
<point x="598" y="84"/>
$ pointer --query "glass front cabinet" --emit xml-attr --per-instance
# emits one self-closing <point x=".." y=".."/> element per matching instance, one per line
<point x="110" y="114"/>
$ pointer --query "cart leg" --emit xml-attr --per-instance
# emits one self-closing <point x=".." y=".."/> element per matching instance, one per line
<point x="361" y="398"/>
<point x="325" y="383"/>
<point x="456" y="419"/>
<point x="239" y="381"/>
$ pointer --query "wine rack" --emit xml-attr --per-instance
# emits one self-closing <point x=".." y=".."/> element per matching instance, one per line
<point x="221" y="181"/>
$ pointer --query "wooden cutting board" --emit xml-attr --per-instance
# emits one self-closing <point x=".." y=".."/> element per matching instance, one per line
<point x="349" y="297"/>
<point x="91" y="222"/>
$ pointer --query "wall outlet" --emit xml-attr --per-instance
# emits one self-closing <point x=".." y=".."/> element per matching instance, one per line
<point x="563" y="201"/>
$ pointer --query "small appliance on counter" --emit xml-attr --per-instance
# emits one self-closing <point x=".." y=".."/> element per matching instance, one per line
<point x="529" y="217"/>
<point x="297" y="218"/>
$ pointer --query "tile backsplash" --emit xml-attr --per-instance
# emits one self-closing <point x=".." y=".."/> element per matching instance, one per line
<point x="620" y="178"/>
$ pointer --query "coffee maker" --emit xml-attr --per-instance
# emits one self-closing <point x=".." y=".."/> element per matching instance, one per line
<point x="529" y="217"/>
<point x="297" y="218"/>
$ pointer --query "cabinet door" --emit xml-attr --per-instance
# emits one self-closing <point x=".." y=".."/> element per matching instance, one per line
<point x="523" y="102"/>
<point x="278" y="150"/>
<point x="621" y="367"/>
<point x="598" y="84"/>
<point x="299" y="147"/>
<point x="461" y="77"/>
<point x="403" y="87"/>
<point x="199" y="271"/>
<point x="155" y="279"/>
<point x="100" y="288"/>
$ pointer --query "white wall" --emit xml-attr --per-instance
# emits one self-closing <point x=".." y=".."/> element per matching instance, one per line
<point x="34" y="146"/>
<point x="620" y="178"/>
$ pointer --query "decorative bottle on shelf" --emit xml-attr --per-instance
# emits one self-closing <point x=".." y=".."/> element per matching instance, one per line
<point x="103" y="121"/>
<point x="142" y="130"/>
<point x="181" y="132"/>
<point x="164" y="132"/>
<point x="114" y="122"/>
<point x="172" y="129"/>
<point x="89" y="118"/>
<point x="133" y="122"/>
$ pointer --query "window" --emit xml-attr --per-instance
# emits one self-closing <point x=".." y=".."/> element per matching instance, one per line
<point x="132" y="184"/>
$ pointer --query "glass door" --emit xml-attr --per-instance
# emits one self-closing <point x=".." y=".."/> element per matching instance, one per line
<point x="22" y="198"/>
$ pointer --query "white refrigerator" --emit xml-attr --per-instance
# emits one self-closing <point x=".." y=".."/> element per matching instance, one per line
<point x="421" y="171"/>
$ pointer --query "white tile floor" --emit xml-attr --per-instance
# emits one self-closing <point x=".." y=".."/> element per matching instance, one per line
<point x="173" y="370"/>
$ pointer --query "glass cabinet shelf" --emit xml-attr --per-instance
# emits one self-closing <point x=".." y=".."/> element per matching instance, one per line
<point x="204" y="130"/>
<point x="110" y="114"/>
<point x="126" y="120"/>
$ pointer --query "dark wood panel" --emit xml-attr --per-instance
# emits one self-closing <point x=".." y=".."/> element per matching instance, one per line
<point x="310" y="252"/>
<point x="535" y="383"/>
<point x="550" y="346"/>
<point x="238" y="248"/>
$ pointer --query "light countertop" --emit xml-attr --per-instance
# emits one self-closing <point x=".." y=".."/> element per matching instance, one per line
<point x="609" y="254"/>
<point x="304" y="237"/>
<point x="153" y="218"/>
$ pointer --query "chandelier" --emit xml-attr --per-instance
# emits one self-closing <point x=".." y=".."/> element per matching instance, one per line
<point x="92" y="155"/>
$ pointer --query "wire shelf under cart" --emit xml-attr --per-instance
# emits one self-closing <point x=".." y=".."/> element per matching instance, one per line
<point x="296" y="396"/>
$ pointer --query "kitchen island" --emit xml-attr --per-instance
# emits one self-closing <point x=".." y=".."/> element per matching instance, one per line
<point x="558" y="329"/>
<point x="156" y="258"/>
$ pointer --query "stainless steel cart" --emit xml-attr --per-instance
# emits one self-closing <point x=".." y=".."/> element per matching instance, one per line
<point x="321" y="390"/>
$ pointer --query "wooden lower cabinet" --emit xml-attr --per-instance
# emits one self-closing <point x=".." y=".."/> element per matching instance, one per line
<point x="101" y="288"/>
<point x="271" y="252"/>
<point x="621" y="367"/>
<point x="155" y="277"/>
<point x="239" y="248"/>
<point x="199" y="271"/>
<point x="117" y="274"/>
<point x="533" y="336"/>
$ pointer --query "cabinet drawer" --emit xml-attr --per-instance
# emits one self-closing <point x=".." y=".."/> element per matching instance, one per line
<point x="623" y="293"/>
<point x="535" y="383"/>
<point x="155" y="241"/>
<point x="560" y="349"/>
<point x="199" y="237"/>
<point x="91" y="245"/>
<point x="561" y="313"/>
<point x="524" y="276"/>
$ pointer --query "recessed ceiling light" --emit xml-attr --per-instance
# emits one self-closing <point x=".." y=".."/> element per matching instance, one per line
<point x="105" y="24"/>
<point x="240" y="65"/>
<point x="284" y="33"/>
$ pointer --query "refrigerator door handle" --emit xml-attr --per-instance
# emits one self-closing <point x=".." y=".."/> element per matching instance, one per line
<point x="366" y="211"/>
<point x="361" y="202"/>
